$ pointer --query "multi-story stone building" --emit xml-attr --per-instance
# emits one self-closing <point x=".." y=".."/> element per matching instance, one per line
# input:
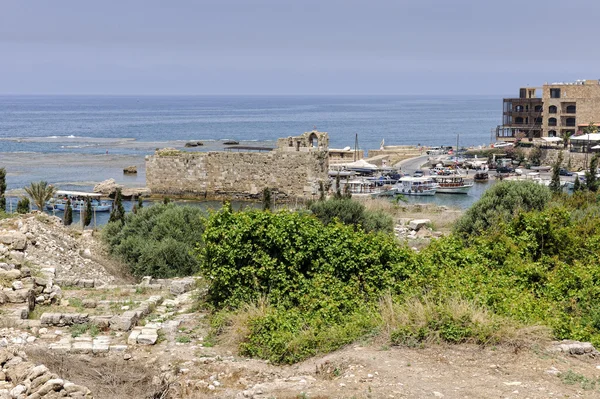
<point x="564" y="108"/>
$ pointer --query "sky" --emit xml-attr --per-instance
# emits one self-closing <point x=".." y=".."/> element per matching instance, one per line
<point x="428" y="47"/>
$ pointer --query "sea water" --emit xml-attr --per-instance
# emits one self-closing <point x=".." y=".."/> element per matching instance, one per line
<point x="76" y="141"/>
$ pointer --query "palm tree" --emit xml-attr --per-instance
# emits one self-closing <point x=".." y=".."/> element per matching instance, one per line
<point x="40" y="193"/>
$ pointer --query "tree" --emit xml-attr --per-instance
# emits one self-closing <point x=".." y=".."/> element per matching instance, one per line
<point x="68" y="217"/>
<point x="87" y="215"/>
<point x="140" y="203"/>
<point x="2" y="189"/>
<point x="567" y="138"/>
<point x="118" y="212"/>
<point x="535" y="156"/>
<point x="338" y="190"/>
<point x="166" y="200"/>
<point x="591" y="180"/>
<point x="576" y="185"/>
<point x="555" y="183"/>
<point x="501" y="203"/>
<point x="266" y="200"/>
<point x="40" y="193"/>
<point x="23" y="205"/>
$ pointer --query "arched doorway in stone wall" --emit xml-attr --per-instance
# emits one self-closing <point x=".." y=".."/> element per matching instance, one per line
<point x="313" y="140"/>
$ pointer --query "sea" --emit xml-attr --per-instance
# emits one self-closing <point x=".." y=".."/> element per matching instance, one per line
<point x="77" y="141"/>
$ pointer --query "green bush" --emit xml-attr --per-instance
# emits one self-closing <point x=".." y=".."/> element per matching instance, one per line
<point x="293" y="260"/>
<point x="351" y="212"/>
<point x="158" y="241"/>
<point x="23" y="205"/>
<point x="500" y="203"/>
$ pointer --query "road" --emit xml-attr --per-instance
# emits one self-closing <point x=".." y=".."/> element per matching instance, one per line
<point x="412" y="164"/>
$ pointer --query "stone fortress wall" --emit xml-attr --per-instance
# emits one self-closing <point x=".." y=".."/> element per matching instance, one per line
<point x="294" y="170"/>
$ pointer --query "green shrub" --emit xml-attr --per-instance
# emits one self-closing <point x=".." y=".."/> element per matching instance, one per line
<point x="500" y="203"/>
<point x="23" y="205"/>
<point x="353" y="213"/>
<point x="158" y="241"/>
<point x="292" y="259"/>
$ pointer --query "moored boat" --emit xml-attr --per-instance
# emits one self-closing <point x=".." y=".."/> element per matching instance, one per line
<point x="78" y="199"/>
<point x="481" y="176"/>
<point x="455" y="184"/>
<point x="416" y="186"/>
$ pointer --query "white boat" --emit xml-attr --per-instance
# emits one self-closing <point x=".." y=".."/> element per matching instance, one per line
<point x="454" y="184"/>
<point x="416" y="186"/>
<point x="78" y="199"/>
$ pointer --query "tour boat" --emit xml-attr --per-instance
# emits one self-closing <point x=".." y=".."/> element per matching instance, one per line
<point x="416" y="186"/>
<point x="481" y="176"/>
<point x="78" y="198"/>
<point x="454" y="184"/>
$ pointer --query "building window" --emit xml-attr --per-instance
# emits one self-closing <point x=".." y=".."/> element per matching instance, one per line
<point x="552" y="133"/>
<point x="552" y="109"/>
<point x="552" y="122"/>
<point x="538" y="108"/>
<point x="538" y="121"/>
<point x="554" y="93"/>
<point x="570" y="122"/>
<point x="571" y="109"/>
<point x="518" y="120"/>
<point x="519" y="108"/>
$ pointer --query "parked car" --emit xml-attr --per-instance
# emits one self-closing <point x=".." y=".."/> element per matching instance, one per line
<point x="504" y="169"/>
<point x="564" y="172"/>
<point x="418" y="173"/>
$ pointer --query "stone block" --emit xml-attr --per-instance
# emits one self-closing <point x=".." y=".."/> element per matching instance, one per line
<point x="417" y="224"/>
<point x="10" y="275"/>
<point x="81" y="347"/>
<point x="15" y="240"/>
<point x="133" y="336"/>
<point x="179" y="287"/>
<point x="147" y="339"/>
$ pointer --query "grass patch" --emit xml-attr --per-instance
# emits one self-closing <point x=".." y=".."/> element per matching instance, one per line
<point x="183" y="339"/>
<point x="80" y="329"/>
<point x="573" y="378"/>
<point x="454" y="320"/>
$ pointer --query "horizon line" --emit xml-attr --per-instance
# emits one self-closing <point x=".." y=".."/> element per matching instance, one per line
<point x="246" y="94"/>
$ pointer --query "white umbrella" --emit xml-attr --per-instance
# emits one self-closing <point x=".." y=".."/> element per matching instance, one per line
<point x="596" y="147"/>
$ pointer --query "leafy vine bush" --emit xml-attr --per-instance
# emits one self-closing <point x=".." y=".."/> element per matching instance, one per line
<point x="532" y="267"/>
<point x="322" y="282"/>
<point x="158" y="241"/>
<point x="352" y="212"/>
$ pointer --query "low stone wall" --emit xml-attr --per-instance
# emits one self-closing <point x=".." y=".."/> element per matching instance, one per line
<point x="237" y="175"/>
<point x="571" y="160"/>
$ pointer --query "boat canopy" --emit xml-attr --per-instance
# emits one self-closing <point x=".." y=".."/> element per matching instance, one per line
<point x="78" y="194"/>
<point x="361" y="164"/>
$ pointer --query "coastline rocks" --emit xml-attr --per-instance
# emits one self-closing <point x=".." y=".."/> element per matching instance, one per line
<point x="135" y="192"/>
<point x="130" y="170"/>
<point x="107" y="187"/>
<point x="194" y="144"/>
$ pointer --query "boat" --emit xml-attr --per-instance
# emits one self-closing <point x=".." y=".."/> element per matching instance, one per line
<point x="78" y="199"/>
<point x="416" y="186"/>
<point x="481" y="176"/>
<point x="454" y="184"/>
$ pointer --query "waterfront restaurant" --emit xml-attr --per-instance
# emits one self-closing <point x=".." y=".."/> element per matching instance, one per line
<point x="585" y="142"/>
